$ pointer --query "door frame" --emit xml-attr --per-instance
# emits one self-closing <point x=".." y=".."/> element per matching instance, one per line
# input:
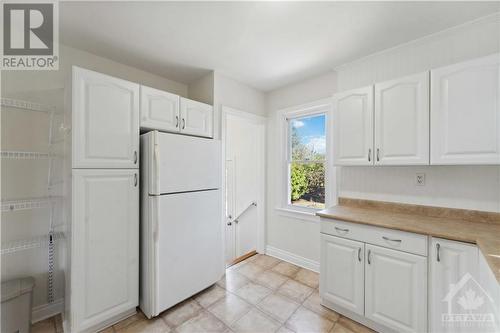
<point x="261" y="222"/>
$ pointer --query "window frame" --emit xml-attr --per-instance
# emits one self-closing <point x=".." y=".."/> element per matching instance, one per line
<point x="285" y="116"/>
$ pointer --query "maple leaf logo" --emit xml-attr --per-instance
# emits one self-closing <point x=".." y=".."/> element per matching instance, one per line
<point x="470" y="301"/>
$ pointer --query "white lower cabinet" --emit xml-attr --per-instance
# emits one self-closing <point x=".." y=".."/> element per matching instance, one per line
<point x="450" y="261"/>
<point x="104" y="247"/>
<point x="383" y="287"/>
<point x="345" y="256"/>
<point x="395" y="289"/>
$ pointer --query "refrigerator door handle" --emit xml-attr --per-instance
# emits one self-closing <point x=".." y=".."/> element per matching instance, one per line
<point x="156" y="172"/>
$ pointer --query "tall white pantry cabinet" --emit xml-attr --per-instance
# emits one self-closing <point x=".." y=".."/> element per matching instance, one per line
<point x="104" y="243"/>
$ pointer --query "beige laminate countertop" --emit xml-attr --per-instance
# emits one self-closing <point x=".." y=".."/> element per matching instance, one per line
<point x="486" y="233"/>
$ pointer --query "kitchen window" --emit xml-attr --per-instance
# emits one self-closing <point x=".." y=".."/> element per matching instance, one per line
<point x="306" y="161"/>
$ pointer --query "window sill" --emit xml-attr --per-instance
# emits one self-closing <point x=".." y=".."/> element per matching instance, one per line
<point x="297" y="214"/>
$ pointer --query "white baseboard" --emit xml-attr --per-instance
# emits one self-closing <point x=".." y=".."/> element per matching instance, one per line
<point x="292" y="258"/>
<point x="45" y="311"/>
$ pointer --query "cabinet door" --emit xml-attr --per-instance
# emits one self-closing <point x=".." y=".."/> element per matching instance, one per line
<point x="159" y="110"/>
<point x="402" y="121"/>
<point x="196" y="118"/>
<point x="465" y="112"/>
<point x="342" y="272"/>
<point x="450" y="262"/>
<point x="353" y="127"/>
<point x="105" y="121"/>
<point x="396" y="289"/>
<point x="104" y="245"/>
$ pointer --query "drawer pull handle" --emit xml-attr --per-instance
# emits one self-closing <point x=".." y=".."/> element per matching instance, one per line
<point x="369" y="257"/>
<point x="359" y="254"/>
<point x="438" y="256"/>
<point x="341" y="229"/>
<point x="391" y="240"/>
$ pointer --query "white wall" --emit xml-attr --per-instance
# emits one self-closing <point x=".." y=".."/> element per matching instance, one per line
<point x="297" y="237"/>
<point x="25" y="179"/>
<point x="467" y="187"/>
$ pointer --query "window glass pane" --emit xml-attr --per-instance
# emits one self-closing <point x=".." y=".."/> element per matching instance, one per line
<point x="307" y="184"/>
<point x="308" y="140"/>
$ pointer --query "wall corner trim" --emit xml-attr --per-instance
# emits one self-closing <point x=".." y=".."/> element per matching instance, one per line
<point x="292" y="258"/>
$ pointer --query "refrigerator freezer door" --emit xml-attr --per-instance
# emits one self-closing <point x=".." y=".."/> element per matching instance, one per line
<point x="179" y="163"/>
<point x="189" y="245"/>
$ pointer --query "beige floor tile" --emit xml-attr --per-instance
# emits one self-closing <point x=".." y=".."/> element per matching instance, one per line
<point x="266" y="261"/>
<point x="278" y="307"/>
<point x="284" y="329"/>
<point x="286" y="269"/>
<point x="255" y="321"/>
<point x="250" y="270"/>
<point x="270" y="279"/>
<point x="253" y="293"/>
<point x="304" y="320"/>
<point x="313" y="303"/>
<point x="45" y="326"/>
<point x="295" y="290"/>
<point x="203" y="322"/>
<point x="229" y="309"/>
<point x="307" y="277"/>
<point x="59" y="324"/>
<point x="340" y="329"/>
<point x="108" y="330"/>
<point x="130" y="320"/>
<point x="155" y="325"/>
<point x="354" y="326"/>
<point x="210" y="295"/>
<point x="181" y="313"/>
<point x="232" y="280"/>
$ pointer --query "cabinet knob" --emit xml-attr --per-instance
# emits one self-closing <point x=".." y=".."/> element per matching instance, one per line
<point x="438" y="255"/>
<point x="176" y="121"/>
<point x="135" y="180"/>
<point x="359" y="254"/>
<point x="183" y="123"/>
<point x="135" y="156"/>
<point x="369" y="257"/>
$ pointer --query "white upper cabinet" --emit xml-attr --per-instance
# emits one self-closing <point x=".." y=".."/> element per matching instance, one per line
<point x="347" y="288"/>
<point x="196" y="118"/>
<point x="396" y="289"/>
<point x="449" y="262"/>
<point x="353" y="127"/>
<point x="159" y="110"/>
<point x="465" y="112"/>
<point x="105" y="121"/>
<point x="402" y="121"/>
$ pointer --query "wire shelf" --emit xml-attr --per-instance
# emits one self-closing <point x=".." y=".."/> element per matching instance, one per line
<point x="25" y="204"/>
<point x="32" y="243"/>
<point x="24" y="105"/>
<point x="26" y="155"/>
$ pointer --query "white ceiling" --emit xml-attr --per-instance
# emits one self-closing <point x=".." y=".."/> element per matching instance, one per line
<point x="263" y="44"/>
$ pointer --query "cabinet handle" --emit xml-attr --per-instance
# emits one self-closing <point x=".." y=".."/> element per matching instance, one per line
<point x="391" y="240"/>
<point x="378" y="155"/>
<point x="135" y="156"/>
<point x="341" y="229"/>
<point x="183" y="123"/>
<point x="369" y="257"/>
<point x="176" y="121"/>
<point x="359" y="254"/>
<point x="135" y="180"/>
<point x="369" y="154"/>
<point x="438" y="256"/>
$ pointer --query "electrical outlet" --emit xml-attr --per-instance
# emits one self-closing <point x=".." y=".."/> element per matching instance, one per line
<point x="420" y="179"/>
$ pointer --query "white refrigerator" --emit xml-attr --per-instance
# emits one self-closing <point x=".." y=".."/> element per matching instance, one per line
<point x="181" y="226"/>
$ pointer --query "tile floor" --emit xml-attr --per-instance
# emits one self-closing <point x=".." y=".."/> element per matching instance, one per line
<point x="259" y="295"/>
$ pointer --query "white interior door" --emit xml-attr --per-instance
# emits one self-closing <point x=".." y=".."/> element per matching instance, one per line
<point x="244" y="151"/>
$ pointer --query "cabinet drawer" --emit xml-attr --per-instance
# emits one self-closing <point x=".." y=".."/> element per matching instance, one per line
<point x="389" y="238"/>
